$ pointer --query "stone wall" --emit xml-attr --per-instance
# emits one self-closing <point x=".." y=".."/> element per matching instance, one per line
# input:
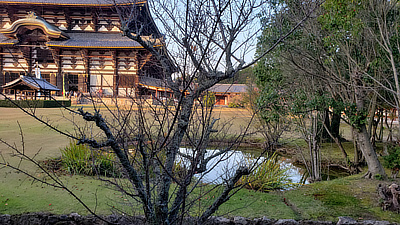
<point x="76" y="219"/>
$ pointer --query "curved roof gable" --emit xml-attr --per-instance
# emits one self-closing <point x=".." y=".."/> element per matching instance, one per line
<point x="32" y="83"/>
<point x="34" y="21"/>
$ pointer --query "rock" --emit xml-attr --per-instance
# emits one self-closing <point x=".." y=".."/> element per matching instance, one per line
<point x="372" y="222"/>
<point x="76" y="219"/>
<point x="74" y="215"/>
<point x="286" y="222"/>
<point x="218" y="220"/>
<point x="113" y="218"/>
<point x="221" y="220"/>
<point x="263" y="221"/>
<point x="31" y="219"/>
<point x="52" y="219"/>
<point x="64" y="217"/>
<point x="310" y="222"/>
<point x="240" y="220"/>
<point x="5" y="219"/>
<point x="65" y="223"/>
<point x="346" y="220"/>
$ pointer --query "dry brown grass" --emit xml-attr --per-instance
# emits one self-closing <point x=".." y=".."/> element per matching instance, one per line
<point x="39" y="137"/>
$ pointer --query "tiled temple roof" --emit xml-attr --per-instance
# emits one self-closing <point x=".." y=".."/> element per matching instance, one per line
<point x="33" y="20"/>
<point x="31" y="82"/>
<point x="6" y="41"/>
<point x="229" y="88"/>
<point x="151" y="82"/>
<point x="96" y="40"/>
<point x="86" y="40"/>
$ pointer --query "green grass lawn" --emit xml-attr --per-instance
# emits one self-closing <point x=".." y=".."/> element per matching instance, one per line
<point x="19" y="194"/>
<point x="350" y="196"/>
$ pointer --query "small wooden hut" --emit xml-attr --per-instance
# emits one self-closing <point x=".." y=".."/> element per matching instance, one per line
<point x="225" y="92"/>
<point x="30" y="88"/>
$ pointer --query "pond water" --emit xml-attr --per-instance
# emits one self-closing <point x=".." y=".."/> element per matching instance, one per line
<point x="224" y="166"/>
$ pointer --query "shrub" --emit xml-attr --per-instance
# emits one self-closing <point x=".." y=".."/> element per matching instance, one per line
<point x="267" y="176"/>
<point x="236" y="101"/>
<point x="35" y="103"/>
<point x="392" y="160"/>
<point x="234" y="105"/>
<point x="79" y="159"/>
<point x="209" y="99"/>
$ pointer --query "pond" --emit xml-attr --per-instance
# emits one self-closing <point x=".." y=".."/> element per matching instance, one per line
<point x="224" y="166"/>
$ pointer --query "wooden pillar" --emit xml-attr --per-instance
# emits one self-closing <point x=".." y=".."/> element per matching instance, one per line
<point x="86" y="61"/>
<point x="7" y="77"/>
<point x="68" y="18"/>
<point x="101" y="82"/>
<point x="11" y="14"/>
<point x="136" y="68"/>
<point x="60" y="74"/>
<point x="95" y="21"/>
<point x="2" y="74"/>
<point x="56" y="79"/>
<point x="116" y="75"/>
<point x="30" y="61"/>
<point x="81" y="83"/>
<point x="88" y="74"/>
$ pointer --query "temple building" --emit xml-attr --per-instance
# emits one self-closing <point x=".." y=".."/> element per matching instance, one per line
<point x="228" y="93"/>
<point x="77" y="47"/>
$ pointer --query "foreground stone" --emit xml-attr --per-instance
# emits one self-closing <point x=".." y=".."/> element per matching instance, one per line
<point x="76" y="219"/>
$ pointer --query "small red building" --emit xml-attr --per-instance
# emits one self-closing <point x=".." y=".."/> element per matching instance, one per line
<point x="225" y="93"/>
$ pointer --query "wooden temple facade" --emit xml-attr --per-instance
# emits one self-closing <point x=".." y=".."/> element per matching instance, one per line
<point x="77" y="46"/>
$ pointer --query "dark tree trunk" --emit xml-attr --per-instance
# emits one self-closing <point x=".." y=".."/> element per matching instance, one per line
<point x="325" y="135"/>
<point x="335" y="124"/>
<point x="375" y="168"/>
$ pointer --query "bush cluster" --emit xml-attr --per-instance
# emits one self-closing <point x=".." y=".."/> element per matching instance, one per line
<point x="392" y="160"/>
<point x="80" y="159"/>
<point x="35" y="103"/>
<point x="267" y="176"/>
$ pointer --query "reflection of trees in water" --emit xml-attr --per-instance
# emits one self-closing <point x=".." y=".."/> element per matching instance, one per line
<point x="229" y="162"/>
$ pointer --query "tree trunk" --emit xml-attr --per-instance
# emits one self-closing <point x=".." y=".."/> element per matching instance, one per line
<point x="358" y="157"/>
<point x="339" y="144"/>
<point x="372" y="115"/>
<point x="335" y="124"/>
<point x="389" y="126"/>
<point x="375" y="169"/>
<point x="380" y="137"/>
<point x="396" y="82"/>
<point x="325" y="135"/>
<point x="314" y="151"/>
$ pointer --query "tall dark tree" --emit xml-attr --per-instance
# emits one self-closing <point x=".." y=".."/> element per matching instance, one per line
<point x="331" y="56"/>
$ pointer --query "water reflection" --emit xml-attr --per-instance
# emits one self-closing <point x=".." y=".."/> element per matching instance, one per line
<point x="296" y="174"/>
<point x="224" y="166"/>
